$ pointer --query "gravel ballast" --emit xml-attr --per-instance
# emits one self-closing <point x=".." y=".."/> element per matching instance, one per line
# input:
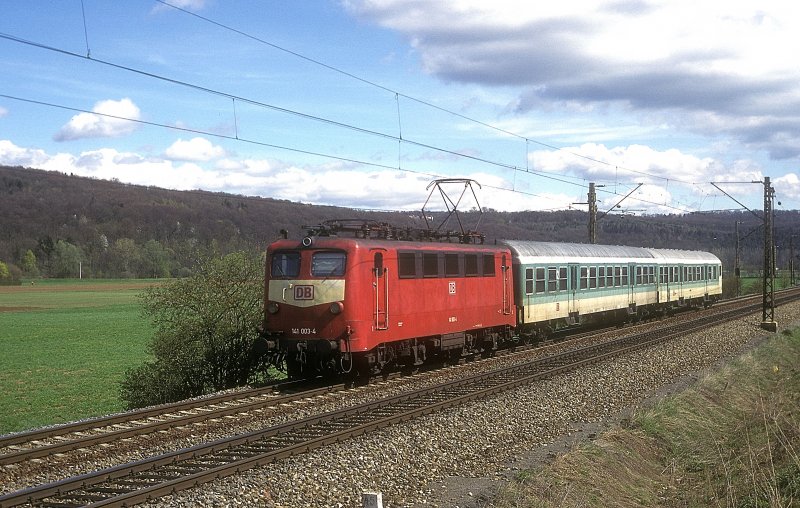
<point x="447" y="459"/>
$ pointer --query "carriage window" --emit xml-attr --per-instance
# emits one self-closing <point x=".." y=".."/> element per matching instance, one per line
<point x="406" y="265"/>
<point x="328" y="264"/>
<point x="638" y="275"/>
<point x="662" y="271"/>
<point x="540" y="280"/>
<point x="528" y="281"/>
<point x="285" y="264"/>
<point x="651" y="274"/>
<point x="625" y="275"/>
<point x="552" y="279"/>
<point x="430" y="264"/>
<point x="562" y="279"/>
<point x="471" y="265"/>
<point x="377" y="264"/>
<point x="592" y="277"/>
<point x="609" y="276"/>
<point x="584" y="277"/>
<point x="451" y="265"/>
<point x="601" y="277"/>
<point x="616" y="276"/>
<point x="488" y="265"/>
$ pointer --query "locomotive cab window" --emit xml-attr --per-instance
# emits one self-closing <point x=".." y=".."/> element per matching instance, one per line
<point x="328" y="264"/>
<point x="285" y="264"/>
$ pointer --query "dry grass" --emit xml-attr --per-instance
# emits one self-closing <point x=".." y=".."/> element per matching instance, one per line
<point x="733" y="440"/>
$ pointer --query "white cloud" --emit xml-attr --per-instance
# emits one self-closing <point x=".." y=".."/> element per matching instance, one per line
<point x="690" y="62"/>
<point x="639" y="163"/>
<point x="13" y="155"/>
<point x="789" y="186"/>
<point x="110" y="122"/>
<point x="3" y="111"/>
<point x="195" y="150"/>
<point x="340" y="184"/>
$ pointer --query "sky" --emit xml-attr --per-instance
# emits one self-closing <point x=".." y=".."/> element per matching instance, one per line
<point x="365" y="103"/>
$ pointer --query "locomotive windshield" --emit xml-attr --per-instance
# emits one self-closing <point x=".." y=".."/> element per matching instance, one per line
<point x="285" y="264"/>
<point x="328" y="264"/>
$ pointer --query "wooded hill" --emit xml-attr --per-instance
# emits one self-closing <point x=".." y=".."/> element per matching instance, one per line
<point x="111" y="229"/>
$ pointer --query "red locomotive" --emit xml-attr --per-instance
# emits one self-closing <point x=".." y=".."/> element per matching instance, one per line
<point x="365" y="306"/>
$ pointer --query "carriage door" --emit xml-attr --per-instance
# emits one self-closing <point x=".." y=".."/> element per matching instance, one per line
<point x="574" y="282"/>
<point x="380" y="286"/>
<point x="629" y="281"/>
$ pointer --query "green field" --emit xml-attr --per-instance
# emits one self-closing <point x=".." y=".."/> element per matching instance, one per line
<point x="64" y="347"/>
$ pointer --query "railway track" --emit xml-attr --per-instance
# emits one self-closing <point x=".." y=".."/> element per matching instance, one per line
<point x="15" y="448"/>
<point x="139" y="481"/>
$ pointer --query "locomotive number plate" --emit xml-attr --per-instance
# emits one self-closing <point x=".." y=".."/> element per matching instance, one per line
<point x="304" y="331"/>
<point x="304" y="292"/>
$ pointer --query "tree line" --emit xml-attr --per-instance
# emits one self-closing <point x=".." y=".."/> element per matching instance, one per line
<point x="59" y="225"/>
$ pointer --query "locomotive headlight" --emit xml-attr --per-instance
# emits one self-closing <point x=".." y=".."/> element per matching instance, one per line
<point x="337" y="308"/>
<point x="273" y="307"/>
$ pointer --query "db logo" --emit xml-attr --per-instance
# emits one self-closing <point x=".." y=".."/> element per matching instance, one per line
<point x="304" y="292"/>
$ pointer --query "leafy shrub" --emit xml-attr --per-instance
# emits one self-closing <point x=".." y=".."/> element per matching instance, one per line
<point x="206" y="325"/>
<point x="10" y="275"/>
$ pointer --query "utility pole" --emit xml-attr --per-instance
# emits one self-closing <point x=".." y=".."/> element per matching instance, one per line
<point x="791" y="260"/>
<point x="768" y="307"/>
<point x="592" y="214"/>
<point x="736" y="266"/>
<point x="592" y="202"/>
<point x="768" y="299"/>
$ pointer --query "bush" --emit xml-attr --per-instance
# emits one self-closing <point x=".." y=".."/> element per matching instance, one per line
<point x="10" y="275"/>
<point x="206" y="325"/>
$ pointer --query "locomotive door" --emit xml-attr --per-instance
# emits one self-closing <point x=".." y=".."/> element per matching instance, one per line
<point x="507" y="286"/>
<point x="380" y="289"/>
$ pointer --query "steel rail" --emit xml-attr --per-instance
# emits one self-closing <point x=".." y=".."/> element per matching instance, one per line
<point x="150" y="427"/>
<point x="181" y="469"/>
<point x="138" y="414"/>
<point x="166" y="411"/>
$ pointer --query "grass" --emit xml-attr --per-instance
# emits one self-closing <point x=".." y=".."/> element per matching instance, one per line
<point x="732" y="440"/>
<point x="64" y="348"/>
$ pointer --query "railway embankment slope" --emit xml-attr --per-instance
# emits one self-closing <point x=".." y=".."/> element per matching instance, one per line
<point x="730" y="439"/>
